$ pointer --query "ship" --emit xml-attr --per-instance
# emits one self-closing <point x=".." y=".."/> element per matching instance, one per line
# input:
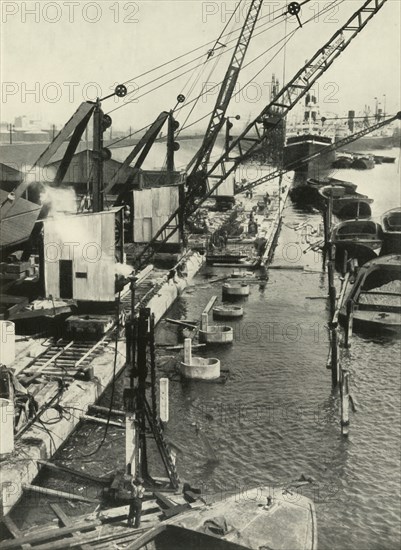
<point x="360" y="239"/>
<point x="383" y="138"/>
<point x="306" y="139"/>
<point x="375" y="297"/>
<point x="391" y="223"/>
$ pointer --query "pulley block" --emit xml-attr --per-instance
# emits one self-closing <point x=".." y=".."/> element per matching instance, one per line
<point x="294" y="8"/>
<point x="176" y="146"/>
<point x="106" y="122"/>
<point x="180" y="98"/>
<point x="121" y="90"/>
<point x="106" y="154"/>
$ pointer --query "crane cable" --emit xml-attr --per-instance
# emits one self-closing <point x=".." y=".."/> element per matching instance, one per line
<point x="327" y="8"/>
<point x="286" y="38"/>
<point x="222" y="35"/>
<point x="192" y="68"/>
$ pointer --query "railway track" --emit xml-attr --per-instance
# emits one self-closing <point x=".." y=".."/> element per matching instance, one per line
<point x="66" y="358"/>
<point x="70" y="358"/>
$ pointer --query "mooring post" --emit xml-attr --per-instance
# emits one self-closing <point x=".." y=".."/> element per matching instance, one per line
<point x="204" y="321"/>
<point x="164" y="399"/>
<point x="335" y="363"/>
<point x="345" y="401"/>
<point x="349" y="324"/>
<point x="332" y="289"/>
<point x="345" y="263"/>
<point x="187" y="351"/>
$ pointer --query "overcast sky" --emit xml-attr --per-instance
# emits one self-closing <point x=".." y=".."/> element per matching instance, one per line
<point x="56" y="54"/>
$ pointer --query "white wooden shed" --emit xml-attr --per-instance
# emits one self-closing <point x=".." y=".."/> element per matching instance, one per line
<point x="80" y="255"/>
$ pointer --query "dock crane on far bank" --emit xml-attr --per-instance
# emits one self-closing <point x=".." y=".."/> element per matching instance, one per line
<point x="242" y="147"/>
<point x="334" y="146"/>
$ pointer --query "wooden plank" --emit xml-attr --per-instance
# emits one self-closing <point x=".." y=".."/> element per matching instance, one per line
<point x="210" y="304"/>
<point x="15" y="532"/>
<point x="9" y="523"/>
<point x="68" y="522"/>
<point x="76" y="473"/>
<point x="62" y="494"/>
<point x="180" y="323"/>
<point x="48" y="535"/>
<point x="62" y="516"/>
<point x="102" y="421"/>
<point x="175" y="510"/>
<point x="90" y="539"/>
<point x="107" y="410"/>
<point x="165" y="500"/>
<point x="146" y="537"/>
<point x="180" y="347"/>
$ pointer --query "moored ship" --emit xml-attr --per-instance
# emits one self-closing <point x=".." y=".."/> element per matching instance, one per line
<point x="307" y="139"/>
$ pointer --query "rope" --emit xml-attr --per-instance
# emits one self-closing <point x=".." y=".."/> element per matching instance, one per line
<point x="189" y="70"/>
<point x="222" y="35"/>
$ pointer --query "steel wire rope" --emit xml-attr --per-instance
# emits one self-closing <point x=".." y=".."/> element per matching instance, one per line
<point x="210" y="53"/>
<point x="251" y="79"/>
<point x="196" y="99"/>
<point x="187" y="71"/>
<point x="215" y="41"/>
<point x="187" y="103"/>
<point x="324" y="10"/>
<point x="270" y="60"/>
<point x="245" y="66"/>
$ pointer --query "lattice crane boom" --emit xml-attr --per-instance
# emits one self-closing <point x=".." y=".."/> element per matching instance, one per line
<point x="326" y="149"/>
<point x="217" y="119"/>
<point x="257" y="130"/>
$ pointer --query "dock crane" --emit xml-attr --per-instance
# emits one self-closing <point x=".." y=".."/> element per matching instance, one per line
<point x="217" y="119"/>
<point x="327" y="149"/>
<point x="270" y="117"/>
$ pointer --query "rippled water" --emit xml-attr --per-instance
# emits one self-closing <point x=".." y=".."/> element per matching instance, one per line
<point x="277" y="416"/>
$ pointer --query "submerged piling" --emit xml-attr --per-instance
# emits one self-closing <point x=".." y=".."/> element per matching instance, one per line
<point x="345" y="401"/>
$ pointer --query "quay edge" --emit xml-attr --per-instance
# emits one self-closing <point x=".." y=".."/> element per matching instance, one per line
<point x="21" y="467"/>
<point x="17" y="469"/>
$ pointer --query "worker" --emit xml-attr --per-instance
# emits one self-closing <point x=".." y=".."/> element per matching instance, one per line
<point x="135" y="507"/>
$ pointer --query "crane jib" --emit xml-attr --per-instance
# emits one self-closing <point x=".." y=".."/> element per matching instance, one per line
<point x="293" y="91"/>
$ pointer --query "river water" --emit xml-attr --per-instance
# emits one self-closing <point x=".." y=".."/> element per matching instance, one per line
<point x="277" y="417"/>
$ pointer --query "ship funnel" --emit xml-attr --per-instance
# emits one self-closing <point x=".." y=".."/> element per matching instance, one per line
<point x="351" y="116"/>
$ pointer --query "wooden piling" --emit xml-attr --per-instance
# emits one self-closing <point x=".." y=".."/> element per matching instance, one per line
<point x="335" y="362"/>
<point x="349" y="323"/>
<point x="345" y="401"/>
<point x="187" y="351"/>
<point x="345" y="263"/>
<point x="204" y="321"/>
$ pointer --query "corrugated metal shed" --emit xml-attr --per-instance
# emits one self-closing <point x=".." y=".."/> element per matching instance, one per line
<point x="9" y="174"/>
<point x="81" y="170"/>
<point x="152" y="208"/>
<point x="17" y="226"/>
<point x="80" y="255"/>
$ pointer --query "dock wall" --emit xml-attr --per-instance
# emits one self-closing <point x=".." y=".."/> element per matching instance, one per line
<point x="21" y="467"/>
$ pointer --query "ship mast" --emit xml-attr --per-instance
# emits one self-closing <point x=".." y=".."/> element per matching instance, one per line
<point x="255" y="133"/>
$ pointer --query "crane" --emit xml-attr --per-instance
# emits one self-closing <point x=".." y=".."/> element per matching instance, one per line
<point x="271" y="116"/>
<point x="217" y="119"/>
<point x="326" y="149"/>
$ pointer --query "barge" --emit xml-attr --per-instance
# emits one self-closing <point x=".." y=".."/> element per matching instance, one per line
<point x="374" y="301"/>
